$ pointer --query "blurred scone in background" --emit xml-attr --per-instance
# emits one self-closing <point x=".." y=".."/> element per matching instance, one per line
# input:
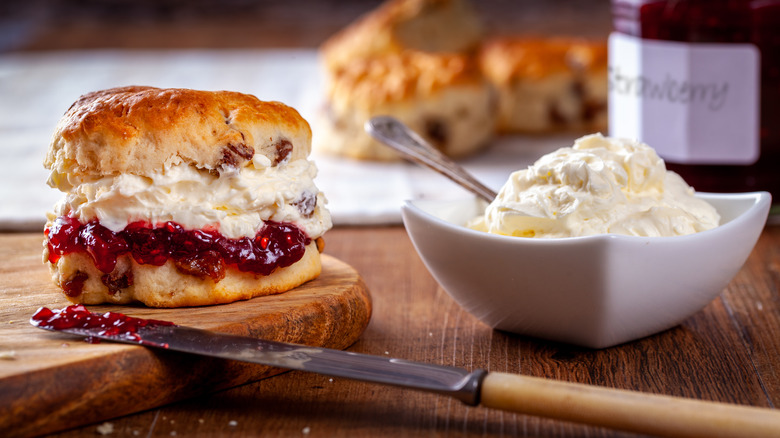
<point x="437" y="66"/>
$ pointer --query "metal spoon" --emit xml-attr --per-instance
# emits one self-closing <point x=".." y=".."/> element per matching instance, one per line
<point x="411" y="146"/>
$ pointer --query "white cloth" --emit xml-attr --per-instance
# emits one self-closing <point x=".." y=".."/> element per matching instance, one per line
<point x="37" y="88"/>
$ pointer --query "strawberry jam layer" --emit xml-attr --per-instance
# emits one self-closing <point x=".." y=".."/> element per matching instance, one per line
<point x="78" y="317"/>
<point x="196" y="252"/>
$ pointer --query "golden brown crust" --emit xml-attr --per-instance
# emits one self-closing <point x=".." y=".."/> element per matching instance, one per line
<point x="395" y="78"/>
<point x="441" y="96"/>
<point x="166" y="286"/>
<point x="399" y="25"/>
<point x="139" y="130"/>
<point x="547" y="84"/>
<point x="504" y="59"/>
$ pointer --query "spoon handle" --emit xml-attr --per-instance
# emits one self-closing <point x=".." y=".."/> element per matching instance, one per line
<point x="411" y="146"/>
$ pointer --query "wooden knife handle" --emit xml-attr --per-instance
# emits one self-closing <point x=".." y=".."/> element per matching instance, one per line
<point x="626" y="410"/>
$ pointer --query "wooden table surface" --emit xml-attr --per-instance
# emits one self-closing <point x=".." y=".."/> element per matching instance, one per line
<point x="728" y="352"/>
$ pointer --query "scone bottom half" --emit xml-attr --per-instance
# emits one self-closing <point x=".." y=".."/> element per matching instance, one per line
<point x="173" y="267"/>
<point x="248" y="149"/>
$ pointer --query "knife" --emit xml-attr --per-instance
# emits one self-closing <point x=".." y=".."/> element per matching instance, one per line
<point x="598" y="406"/>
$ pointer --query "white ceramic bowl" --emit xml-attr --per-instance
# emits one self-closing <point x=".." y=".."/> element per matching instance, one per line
<point x="595" y="291"/>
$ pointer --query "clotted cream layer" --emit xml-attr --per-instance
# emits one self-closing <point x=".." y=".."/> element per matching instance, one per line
<point x="600" y="185"/>
<point x="235" y="203"/>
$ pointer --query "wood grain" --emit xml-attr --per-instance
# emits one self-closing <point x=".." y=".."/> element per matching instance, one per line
<point x="730" y="351"/>
<point x="53" y="381"/>
<point x="707" y="357"/>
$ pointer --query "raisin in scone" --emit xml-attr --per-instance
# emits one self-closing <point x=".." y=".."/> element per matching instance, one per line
<point x="399" y="25"/>
<point x="547" y="84"/>
<point x="177" y="197"/>
<point x="440" y="96"/>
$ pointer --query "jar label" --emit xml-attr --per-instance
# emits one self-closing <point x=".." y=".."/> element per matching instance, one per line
<point x="694" y="103"/>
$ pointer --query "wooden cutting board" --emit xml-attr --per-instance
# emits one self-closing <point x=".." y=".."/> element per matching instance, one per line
<point x="51" y="381"/>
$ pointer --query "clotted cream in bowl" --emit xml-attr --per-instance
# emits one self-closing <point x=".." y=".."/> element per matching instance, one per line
<point x="594" y="245"/>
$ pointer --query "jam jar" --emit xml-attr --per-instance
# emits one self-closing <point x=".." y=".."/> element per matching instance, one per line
<point x="699" y="80"/>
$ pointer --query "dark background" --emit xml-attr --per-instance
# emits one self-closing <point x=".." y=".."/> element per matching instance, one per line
<point x="29" y="25"/>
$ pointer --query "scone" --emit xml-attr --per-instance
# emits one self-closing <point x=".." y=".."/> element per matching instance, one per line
<point x="399" y="25"/>
<point x="440" y="96"/>
<point x="177" y="197"/>
<point x="547" y="84"/>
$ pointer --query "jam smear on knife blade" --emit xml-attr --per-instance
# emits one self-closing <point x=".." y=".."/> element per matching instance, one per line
<point x="77" y="316"/>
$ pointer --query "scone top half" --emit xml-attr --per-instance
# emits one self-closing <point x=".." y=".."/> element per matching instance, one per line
<point x="220" y="160"/>
<point x="442" y="96"/>
<point x="140" y="130"/>
<point x="436" y="26"/>
<point x="507" y="59"/>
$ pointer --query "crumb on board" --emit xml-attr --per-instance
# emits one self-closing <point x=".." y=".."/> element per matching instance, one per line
<point x="105" y="429"/>
<point x="233" y="423"/>
<point x="8" y="355"/>
<point x="306" y="430"/>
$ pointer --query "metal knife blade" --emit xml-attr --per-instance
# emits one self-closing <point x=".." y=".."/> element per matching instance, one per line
<point x="607" y="407"/>
<point x="451" y="381"/>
